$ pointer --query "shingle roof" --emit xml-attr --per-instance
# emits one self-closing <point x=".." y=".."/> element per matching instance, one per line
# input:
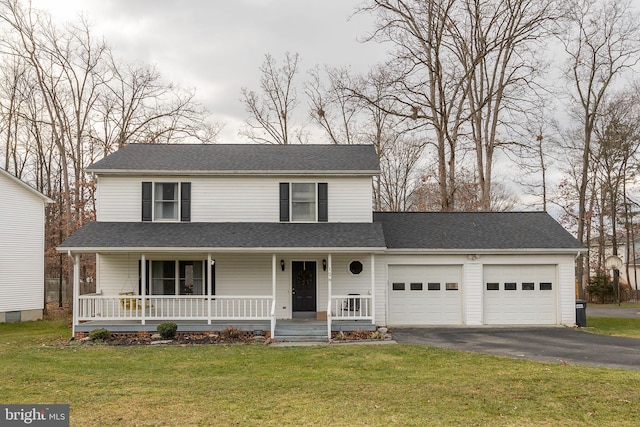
<point x="120" y="235"/>
<point x="474" y="230"/>
<point x="240" y="158"/>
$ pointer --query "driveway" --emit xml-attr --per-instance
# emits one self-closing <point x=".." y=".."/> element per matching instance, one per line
<point x="545" y="344"/>
<point x="595" y="310"/>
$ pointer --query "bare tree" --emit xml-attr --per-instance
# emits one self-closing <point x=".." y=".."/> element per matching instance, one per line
<point x="602" y="41"/>
<point x="458" y="65"/>
<point x="271" y="111"/>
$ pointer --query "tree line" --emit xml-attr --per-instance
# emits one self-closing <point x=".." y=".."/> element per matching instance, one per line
<point x="546" y="87"/>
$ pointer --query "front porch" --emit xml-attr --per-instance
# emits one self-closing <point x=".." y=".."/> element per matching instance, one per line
<point x="135" y="313"/>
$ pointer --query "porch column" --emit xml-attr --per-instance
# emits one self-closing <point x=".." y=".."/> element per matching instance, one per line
<point x="329" y="293"/>
<point x="373" y="289"/>
<point x="76" y="291"/>
<point x="209" y="289"/>
<point x="143" y="285"/>
<point x="274" y="266"/>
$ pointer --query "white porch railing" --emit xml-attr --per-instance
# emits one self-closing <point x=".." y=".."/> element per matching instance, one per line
<point x="184" y="307"/>
<point x="351" y="307"/>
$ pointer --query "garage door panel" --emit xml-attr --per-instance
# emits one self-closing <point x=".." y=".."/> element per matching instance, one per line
<point x="520" y="299"/>
<point x="417" y="305"/>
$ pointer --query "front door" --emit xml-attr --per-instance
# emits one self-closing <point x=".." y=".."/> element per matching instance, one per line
<point x="303" y="287"/>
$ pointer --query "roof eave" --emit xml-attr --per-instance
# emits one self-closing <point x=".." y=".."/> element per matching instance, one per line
<point x="500" y="251"/>
<point x="375" y="249"/>
<point x="124" y="172"/>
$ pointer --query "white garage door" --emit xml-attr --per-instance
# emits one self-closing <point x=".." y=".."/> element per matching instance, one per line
<point x="520" y="294"/>
<point x="425" y="295"/>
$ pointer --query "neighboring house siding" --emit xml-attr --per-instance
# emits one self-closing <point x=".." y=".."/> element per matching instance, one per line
<point x="234" y="199"/>
<point x="21" y="248"/>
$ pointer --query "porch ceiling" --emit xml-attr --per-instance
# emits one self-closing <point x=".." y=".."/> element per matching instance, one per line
<point x="125" y="236"/>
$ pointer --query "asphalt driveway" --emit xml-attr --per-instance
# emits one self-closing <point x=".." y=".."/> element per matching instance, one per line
<point x="545" y="344"/>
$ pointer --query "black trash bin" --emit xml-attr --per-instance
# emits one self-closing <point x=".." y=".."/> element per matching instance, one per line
<point x="581" y="313"/>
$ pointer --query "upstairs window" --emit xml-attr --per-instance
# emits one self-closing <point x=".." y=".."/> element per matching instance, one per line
<point x="166" y="201"/>
<point x="304" y="202"/>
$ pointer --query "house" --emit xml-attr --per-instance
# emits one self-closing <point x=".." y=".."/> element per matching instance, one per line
<point x="258" y="236"/>
<point x="22" y="220"/>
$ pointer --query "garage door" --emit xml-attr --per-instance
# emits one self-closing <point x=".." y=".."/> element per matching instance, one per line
<point x="425" y="295"/>
<point x="520" y="294"/>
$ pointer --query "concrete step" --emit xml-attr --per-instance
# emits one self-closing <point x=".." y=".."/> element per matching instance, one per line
<point x="301" y="338"/>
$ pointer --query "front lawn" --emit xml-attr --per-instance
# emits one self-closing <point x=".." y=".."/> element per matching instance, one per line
<point x="618" y="326"/>
<point x="254" y="384"/>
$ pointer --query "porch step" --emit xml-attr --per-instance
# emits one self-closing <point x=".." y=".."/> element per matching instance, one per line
<point x="301" y="331"/>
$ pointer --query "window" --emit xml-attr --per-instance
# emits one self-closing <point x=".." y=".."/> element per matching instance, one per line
<point x="166" y="201"/>
<point x="493" y="286"/>
<point x="433" y="286"/>
<point x="510" y="286"/>
<point x="191" y="278"/>
<point x="163" y="274"/>
<point x="355" y="267"/>
<point x="416" y="286"/>
<point x="451" y="286"/>
<point x="304" y="202"/>
<point x="546" y="286"/>
<point x="179" y="278"/>
<point x="528" y="286"/>
<point x="398" y="287"/>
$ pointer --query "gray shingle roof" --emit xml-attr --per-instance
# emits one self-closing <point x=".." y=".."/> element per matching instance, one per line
<point x="474" y="230"/>
<point x="225" y="235"/>
<point x="240" y="158"/>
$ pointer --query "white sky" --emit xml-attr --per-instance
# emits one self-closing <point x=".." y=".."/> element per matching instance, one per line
<point x="216" y="46"/>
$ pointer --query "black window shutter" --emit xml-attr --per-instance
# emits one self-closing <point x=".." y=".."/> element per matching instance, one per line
<point x="185" y="201"/>
<point x="284" y="201"/>
<point x="323" y="202"/>
<point x="140" y="277"/>
<point x="147" y="201"/>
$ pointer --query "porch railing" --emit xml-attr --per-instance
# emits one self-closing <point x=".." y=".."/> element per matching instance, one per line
<point x="184" y="307"/>
<point x="351" y="307"/>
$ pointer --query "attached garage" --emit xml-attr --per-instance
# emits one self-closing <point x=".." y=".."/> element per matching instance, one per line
<point x="520" y="295"/>
<point x="425" y="294"/>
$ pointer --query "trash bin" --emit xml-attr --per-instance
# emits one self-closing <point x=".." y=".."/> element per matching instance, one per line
<point x="581" y="313"/>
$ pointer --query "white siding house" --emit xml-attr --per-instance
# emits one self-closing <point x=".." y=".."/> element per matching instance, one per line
<point x="259" y="236"/>
<point x="22" y="220"/>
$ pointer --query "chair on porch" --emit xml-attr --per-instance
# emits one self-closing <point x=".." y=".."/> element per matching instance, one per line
<point x="128" y="303"/>
<point x="352" y="304"/>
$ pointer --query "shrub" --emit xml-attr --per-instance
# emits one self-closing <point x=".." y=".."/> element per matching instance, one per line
<point x="100" y="334"/>
<point x="167" y="330"/>
<point x="230" y="334"/>
<point x="600" y="286"/>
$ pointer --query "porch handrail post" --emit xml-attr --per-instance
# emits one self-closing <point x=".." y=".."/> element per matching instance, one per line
<point x="209" y="281"/>
<point x="76" y="292"/>
<point x="329" y="291"/>
<point x="372" y="308"/>
<point x="273" y="295"/>
<point x="143" y="286"/>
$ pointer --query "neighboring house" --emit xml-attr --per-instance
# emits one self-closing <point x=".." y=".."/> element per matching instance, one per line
<point x="256" y="236"/>
<point x="22" y="221"/>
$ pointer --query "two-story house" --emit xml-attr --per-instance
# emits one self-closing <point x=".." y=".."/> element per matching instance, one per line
<point x="257" y="236"/>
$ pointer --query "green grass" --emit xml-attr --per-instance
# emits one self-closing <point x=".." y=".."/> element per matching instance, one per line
<point x="622" y="327"/>
<point x="329" y="385"/>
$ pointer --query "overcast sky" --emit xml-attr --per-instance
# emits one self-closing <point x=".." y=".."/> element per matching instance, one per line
<point x="216" y="46"/>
